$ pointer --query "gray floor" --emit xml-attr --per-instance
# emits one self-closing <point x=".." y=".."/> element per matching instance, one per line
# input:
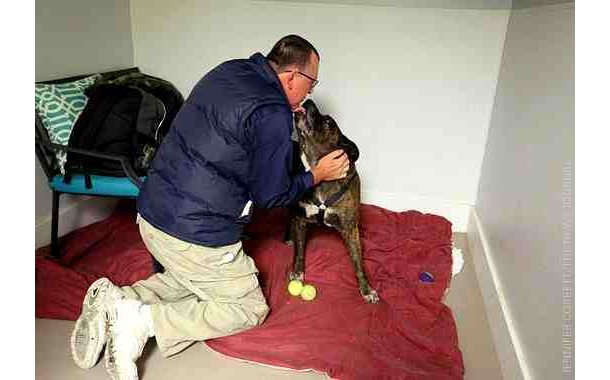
<point x="53" y="360"/>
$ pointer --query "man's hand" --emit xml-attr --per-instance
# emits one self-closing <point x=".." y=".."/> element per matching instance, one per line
<point x="331" y="167"/>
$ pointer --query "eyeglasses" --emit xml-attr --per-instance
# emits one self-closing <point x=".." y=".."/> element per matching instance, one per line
<point x="313" y="80"/>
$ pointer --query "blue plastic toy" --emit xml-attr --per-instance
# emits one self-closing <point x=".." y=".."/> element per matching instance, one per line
<point x="426" y="277"/>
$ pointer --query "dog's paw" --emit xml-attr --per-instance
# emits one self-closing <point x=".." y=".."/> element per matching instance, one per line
<point x="372" y="297"/>
<point x="296" y="276"/>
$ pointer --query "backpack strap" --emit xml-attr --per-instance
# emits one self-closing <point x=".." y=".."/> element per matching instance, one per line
<point x="88" y="183"/>
<point x="67" y="177"/>
<point x="150" y="115"/>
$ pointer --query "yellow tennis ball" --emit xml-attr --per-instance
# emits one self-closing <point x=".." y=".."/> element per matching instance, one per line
<point x="295" y="287"/>
<point x="308" y="293"/>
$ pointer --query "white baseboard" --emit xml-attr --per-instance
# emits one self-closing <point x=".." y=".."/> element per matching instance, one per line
<point x="80" y="212"/>
<point x="506" y="339"/>
<point x="456" y="212"/>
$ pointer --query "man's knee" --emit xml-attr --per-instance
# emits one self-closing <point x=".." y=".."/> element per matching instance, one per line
<point x="258" y="306"/>
<point x="232" y="318"/>
<point x="261" y="311"/>
<point x="254" y="314"/>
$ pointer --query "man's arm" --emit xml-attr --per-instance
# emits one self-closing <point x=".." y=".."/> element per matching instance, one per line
<point x="271" y="182"/>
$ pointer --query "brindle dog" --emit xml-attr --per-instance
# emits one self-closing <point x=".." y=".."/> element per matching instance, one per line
<point x="333" y="203"/>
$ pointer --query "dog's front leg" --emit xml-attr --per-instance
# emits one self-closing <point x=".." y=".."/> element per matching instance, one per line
<point x="288" y="232"/>
<point x="298" y="229"/>
<point x="351" y="236"/>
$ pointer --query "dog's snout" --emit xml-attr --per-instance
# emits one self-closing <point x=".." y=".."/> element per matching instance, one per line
<point x="298" y="116"/>
<point x="309" y="104"/>
<point x="311" y="110"/>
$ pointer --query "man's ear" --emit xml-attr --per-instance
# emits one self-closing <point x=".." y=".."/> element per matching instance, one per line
<point x="349" y="147"/>
<point x="287" y="79"/>
<point x="290" y="79"/>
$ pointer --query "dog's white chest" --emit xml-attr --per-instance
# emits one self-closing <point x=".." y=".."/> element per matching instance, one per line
<point x="305" y="162"/>
<point x="312" y="210"/>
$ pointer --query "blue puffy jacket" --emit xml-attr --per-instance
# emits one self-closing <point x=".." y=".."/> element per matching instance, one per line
<point x="229" y="146"/>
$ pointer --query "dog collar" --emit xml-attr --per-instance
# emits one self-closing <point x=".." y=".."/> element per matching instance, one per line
<point x="328" y="202"/>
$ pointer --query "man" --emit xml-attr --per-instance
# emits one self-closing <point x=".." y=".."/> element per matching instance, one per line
<point x="229" y="148"/>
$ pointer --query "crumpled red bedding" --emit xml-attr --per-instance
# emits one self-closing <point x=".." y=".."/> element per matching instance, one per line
<point x="409" y="334"/>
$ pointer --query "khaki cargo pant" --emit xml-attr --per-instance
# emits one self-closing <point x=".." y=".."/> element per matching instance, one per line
<point x="204" y="292"/>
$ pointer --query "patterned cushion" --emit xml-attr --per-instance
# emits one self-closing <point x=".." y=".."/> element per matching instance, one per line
<point x="59" y="105"/>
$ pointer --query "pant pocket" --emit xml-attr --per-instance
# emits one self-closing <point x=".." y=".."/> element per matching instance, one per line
<point x="235" y="288"/>
<point x="166" y="241"/>
<point x="174" y="244"/>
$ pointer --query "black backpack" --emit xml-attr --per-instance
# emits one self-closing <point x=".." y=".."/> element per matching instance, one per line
<point x="164" y="90"/>
<point x="120" y="120"/>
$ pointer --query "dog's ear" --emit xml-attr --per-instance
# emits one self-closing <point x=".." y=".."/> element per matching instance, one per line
<point x="349" y="147"/>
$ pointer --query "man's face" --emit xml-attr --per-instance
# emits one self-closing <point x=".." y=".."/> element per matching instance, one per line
<point x="299" y="83"/>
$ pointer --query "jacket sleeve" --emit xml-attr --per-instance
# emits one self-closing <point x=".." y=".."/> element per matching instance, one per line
<point x="271" y="181"/>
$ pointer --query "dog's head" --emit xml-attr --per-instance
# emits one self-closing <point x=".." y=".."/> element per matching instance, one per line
<point x="319" y="135"/>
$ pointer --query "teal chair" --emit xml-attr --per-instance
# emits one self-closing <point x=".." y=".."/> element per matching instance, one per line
<point x="94" y="185"/>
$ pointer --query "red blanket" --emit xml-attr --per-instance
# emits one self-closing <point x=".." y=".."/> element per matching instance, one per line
<point x="409" y="334"/>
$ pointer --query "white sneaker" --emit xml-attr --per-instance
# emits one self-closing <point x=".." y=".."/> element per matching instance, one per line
<point x="89" y="334"/>
<point x="129" y="327"/>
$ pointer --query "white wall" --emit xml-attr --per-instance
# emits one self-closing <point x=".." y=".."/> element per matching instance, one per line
<point x="525" y="199"/>
<point x="77" y="37"/>
<point x="412" y="87"/>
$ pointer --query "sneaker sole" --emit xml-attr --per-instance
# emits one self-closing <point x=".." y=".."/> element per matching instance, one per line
<point x="89" y="335"/>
